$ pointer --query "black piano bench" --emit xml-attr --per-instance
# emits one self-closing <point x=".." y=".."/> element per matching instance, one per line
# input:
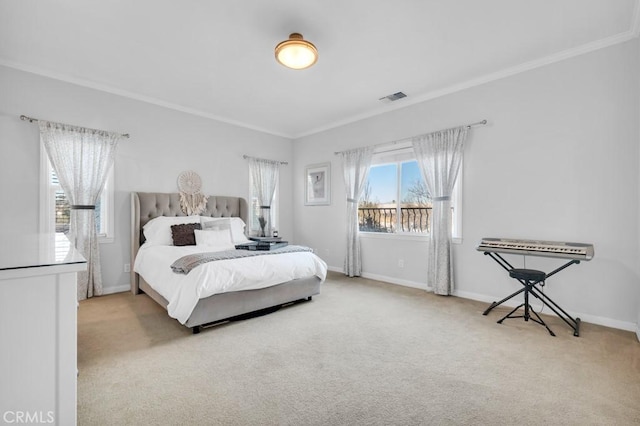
<point x="529" y="279"/>
<point x="528" y="274"/>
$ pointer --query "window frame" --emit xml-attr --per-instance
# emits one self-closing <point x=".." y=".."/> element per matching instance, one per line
<point x="404" y="154"/>
<point x="48" y="201"/>
<point x="253" y="228"/>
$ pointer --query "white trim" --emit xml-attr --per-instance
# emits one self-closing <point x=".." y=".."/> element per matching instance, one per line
<point x="406" y="236"/>
<point x="397" y="281"/>
<point x="116" y="289"/>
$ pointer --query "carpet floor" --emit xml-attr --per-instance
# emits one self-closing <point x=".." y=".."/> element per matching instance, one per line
<point x="360" y="353"/>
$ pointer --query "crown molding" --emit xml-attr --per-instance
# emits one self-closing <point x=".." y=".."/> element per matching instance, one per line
<point x="132" y="95"/>
<point x="507" y="72"/>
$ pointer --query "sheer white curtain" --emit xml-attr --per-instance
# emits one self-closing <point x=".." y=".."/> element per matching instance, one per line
<point x="439" y="155"/>
<point x="355" y="168"/>
<point x="264" y="177"/>
<point x="81" y="159"/>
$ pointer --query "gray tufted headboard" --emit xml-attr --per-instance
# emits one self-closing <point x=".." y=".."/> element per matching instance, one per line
<point x="148" y="205"/>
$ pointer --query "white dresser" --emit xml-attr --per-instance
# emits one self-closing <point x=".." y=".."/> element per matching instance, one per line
<point x="38" y="331"/>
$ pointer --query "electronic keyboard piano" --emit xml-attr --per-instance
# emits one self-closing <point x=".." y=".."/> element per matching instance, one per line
<point x="533" y="280"/>
<point x="578" y="251"/>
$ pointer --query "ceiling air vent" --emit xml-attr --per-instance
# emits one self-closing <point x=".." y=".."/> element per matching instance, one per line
<point x="394" y="97"/>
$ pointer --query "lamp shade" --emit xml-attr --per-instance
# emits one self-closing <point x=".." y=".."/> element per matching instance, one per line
<point x="296" y="53"/>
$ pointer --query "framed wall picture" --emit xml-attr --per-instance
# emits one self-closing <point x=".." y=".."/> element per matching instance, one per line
<point x="317" y="185"/>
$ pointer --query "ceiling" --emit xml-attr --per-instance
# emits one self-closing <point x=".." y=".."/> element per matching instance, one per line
<point x="215" y="58"/>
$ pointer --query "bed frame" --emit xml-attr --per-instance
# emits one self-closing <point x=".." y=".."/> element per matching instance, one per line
<point x="219" y="307"/>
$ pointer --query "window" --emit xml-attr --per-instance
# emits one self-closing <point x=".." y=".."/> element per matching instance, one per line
<point x="395" y="199"/>
<point x="55" y="212"/>
<point x="255" y="211"/>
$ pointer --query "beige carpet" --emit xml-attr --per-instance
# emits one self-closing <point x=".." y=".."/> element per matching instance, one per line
<point x="361" y="353"/>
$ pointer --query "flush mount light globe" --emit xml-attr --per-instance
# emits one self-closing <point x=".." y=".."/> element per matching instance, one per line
<point x="296" y="53"/>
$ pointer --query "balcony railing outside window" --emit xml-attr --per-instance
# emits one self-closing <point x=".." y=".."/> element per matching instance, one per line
<point x="383" y="219"/>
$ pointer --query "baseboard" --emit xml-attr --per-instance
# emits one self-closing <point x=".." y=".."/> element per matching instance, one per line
<point x="386" y="279"/>
<point x="593" y="319"/>
<point x="116" y="289"/>
<point x="397" y="281"/>
<point x="607" y="322"/>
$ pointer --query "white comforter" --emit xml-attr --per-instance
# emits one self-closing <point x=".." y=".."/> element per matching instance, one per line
<point x="183" y="291"/>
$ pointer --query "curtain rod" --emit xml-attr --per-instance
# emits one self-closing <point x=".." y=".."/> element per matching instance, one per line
<point x="478" y="123"/>
<point x="32" y="120"/>
<point x="264" y="159"/>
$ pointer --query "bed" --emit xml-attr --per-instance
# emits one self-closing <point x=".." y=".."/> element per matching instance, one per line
<point x="268" y="294"/>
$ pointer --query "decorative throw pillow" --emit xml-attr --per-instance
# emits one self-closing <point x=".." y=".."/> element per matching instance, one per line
<point x="235" y="224"/>
<point x="214" y="239"/>
<point x="183" y="235"/>
<point x="216" y="223"/>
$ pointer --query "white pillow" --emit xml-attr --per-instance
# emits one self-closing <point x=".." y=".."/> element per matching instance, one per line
<point x="214" y="239"/>
<point x="157" y="232"/>
<point x="236" y="224"/>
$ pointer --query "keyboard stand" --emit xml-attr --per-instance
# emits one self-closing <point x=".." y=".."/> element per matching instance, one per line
<point x="530" y="280"/>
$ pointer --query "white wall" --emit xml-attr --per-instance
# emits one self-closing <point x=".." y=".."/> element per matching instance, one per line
<point x="163" y="143"/>
<point x="561" y="138"/>
<point x="558" y="161"/>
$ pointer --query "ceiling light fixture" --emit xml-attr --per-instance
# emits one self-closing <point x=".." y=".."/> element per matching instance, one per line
<point x="296" y="53"/>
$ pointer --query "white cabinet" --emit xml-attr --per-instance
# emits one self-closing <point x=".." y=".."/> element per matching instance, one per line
<point x="38" y="331"/>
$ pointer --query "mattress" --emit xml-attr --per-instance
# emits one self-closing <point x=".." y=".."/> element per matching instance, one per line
<point x="182" y="292"/>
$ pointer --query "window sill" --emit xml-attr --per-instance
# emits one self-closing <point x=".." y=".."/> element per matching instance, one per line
<point x="401" y="237"/>
<point x="105" y="240"/>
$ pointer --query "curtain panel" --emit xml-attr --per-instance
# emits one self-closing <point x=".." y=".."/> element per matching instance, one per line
<point x="439" y="155"/>
<point x="264" y="177"/>
<point x="355" y="168"/>
<point x="81" y="159"/>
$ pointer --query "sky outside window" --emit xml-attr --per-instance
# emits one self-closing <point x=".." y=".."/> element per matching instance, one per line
<point x="410" y="174"/>
<point x="384" y="181"/>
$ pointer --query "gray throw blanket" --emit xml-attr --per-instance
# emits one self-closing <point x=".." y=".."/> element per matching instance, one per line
<point x="185" y="264"/>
